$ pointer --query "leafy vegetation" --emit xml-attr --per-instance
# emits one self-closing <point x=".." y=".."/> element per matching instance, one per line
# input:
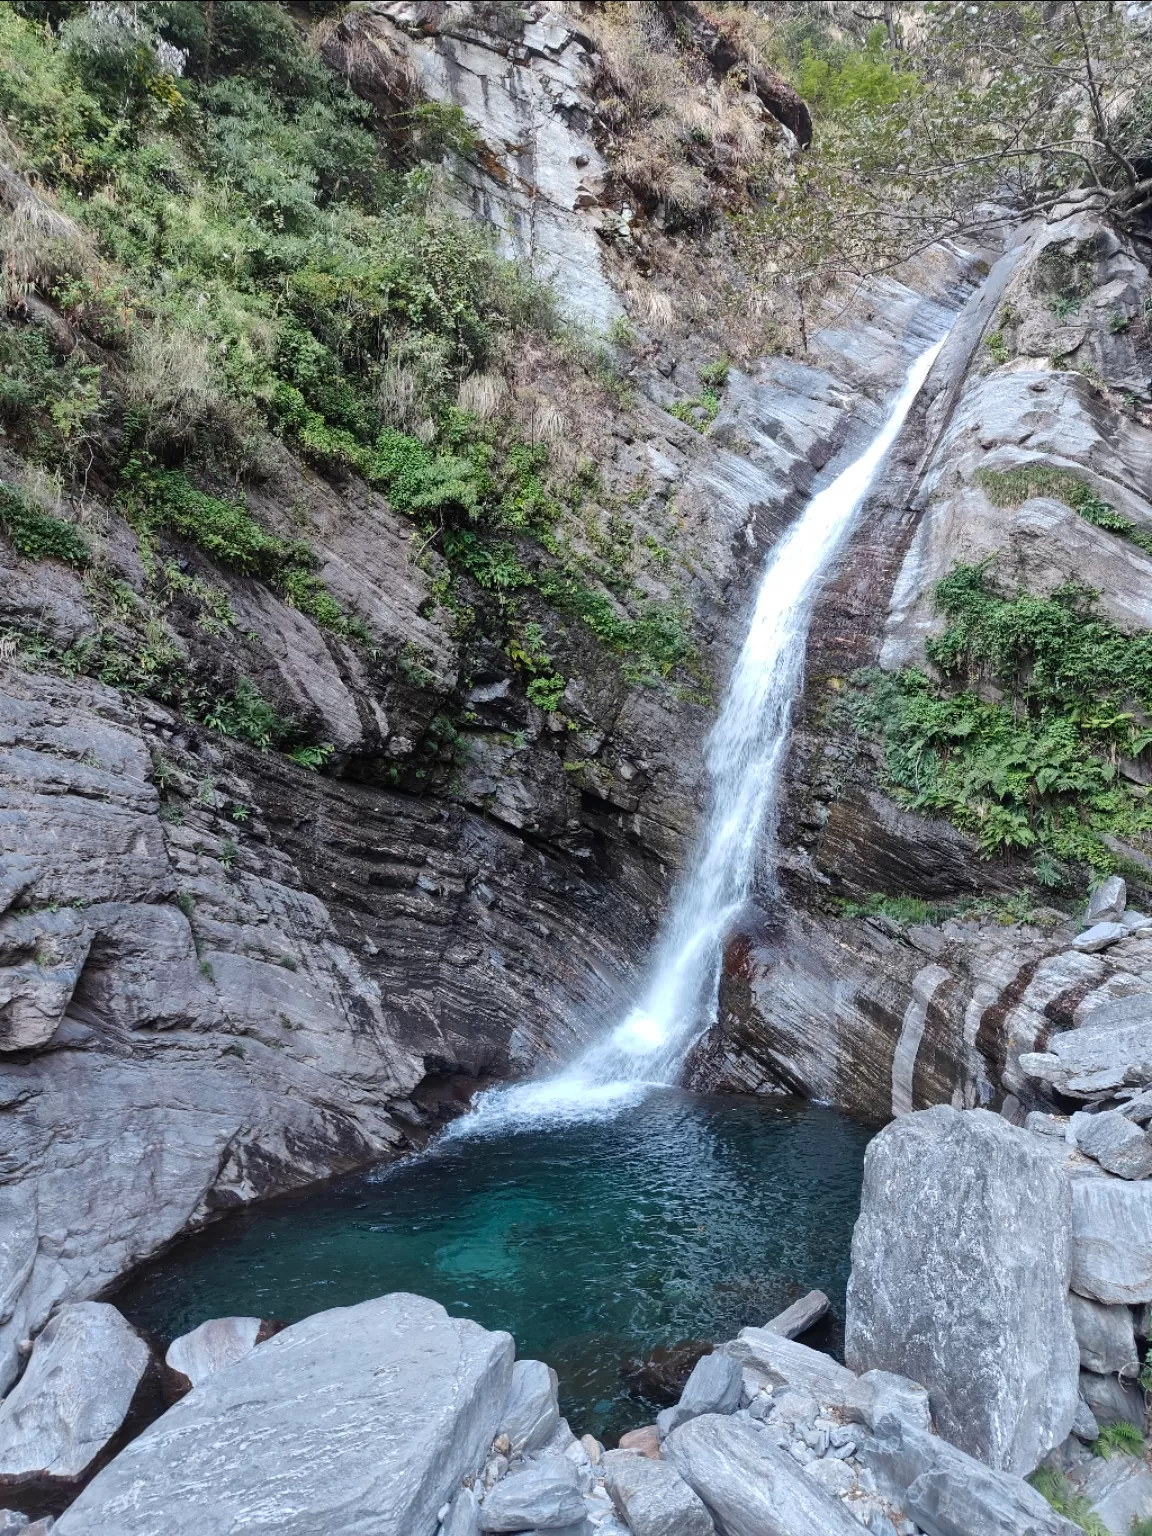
<point x="1039" y="768"/>
<point x="35" y="534"/>
<point x="1066" y="1501"/>
<point x="1121" y="1436"/>
<point x="912" y="911"/>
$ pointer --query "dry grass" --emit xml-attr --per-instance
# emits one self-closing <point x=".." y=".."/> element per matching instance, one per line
<point x="483" y="395"/>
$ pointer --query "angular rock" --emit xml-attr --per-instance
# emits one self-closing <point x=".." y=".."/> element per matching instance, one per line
<point x="211" y="1347"/>
<point x="1106" y="903"/>
<point x="463" y="1517"/>
<point x="12" y="1522"/>
<point x="83" y="1373"/>
<point x="537" y="1497"/>
<point x="1134" y="921"/>
<point x="800" y="1316"/>
<point x="1111" y="1400"/>
<point x="532" y="1412"/>
<point x="364" y="1416"/>
<point x="41" y="957"/>
<point x="1099" y="936"/>
<point x="960" y="1264"/>
<point x="879" y="1395"/>
<point x="1115" y="1143"/>
<point x="1120" y="1491"/>
<point x="750" y="1486"/>
<point x="834" y="1476"/>
<point x="951" y="1494"/>
<point x="1105" y="1336"/>
<point x="1045" y="1125"/>
<point x="1112" y="1240"/>
<point x="1139" y="1108"/>
<point x="1084" y="1425"/>
<point x="653" y="1498"/>
<point x="784" y="1363"/>
<point x="642" y="1442"/>
<point x="713" y="1387"/>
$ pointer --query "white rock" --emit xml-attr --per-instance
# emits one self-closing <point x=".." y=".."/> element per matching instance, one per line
<point x="960" y="1265"/>
<point x="713" y="1387"/>
<point x="785" y="1363"/>
<point x="533" y="1497"/>
<point x="367" y="1416"/>
<point x="218" y="1343"/>
<point x="653" y="1498"/>
<point x="800" y="1316"/>
<point x="749" y="1486"/>
<point x="81" y="1378"/>
<point x="1112" y="1240"/>
<point x="834" y="1476"/>
<point x="463" y="1517"/>
<point x="532" y="1412"/>
<point x="878" y="1395"/>
<point x="1116" y="1143"/>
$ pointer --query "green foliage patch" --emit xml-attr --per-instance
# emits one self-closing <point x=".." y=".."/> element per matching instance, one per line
<point x="1064" y="1499"/>
<point x="35" y="534"/>
<point x="1122" y="1436"/>
<point x="1012" y="487"/>
<point x="1037" y="769"/>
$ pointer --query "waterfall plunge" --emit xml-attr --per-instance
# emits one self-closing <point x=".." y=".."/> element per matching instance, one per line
<point x="743" y="755"/>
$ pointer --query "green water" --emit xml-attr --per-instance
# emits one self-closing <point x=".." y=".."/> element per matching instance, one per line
<point x="683" y="1217"/>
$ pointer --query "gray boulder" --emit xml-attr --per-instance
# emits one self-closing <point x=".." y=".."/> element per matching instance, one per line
<point x="1106" y="903"/>
<point x="463" y="1518"/>
<point x="360" y="1417"/>
<point x="532" y="1412"/>
<point x="1084" y="1425"/>
<point x="750" y="1486"/>
<point x="653" y="1498"/>
<point x="800" y="1316"/>
<point x="12" y="1522"/>
<point x="1115" y="1143"/>
<point x="1105" y="1336"/>
<point x="951" y="1494"/>
<point x="1112" y="1240"/>
<point x="960" y="1264"/>
<point x="1111" y="1400"/>
<point x="880" y="1395"/>
<point x="713" y="1387"/>
<point x="1111" y="1048"/>
<point x="1099" y="936"/>
<point x="1138" y="1108"/>
<point x="73" y="1398"/>
<point x="1119" y="1490"/>
<point x="211" y="1347"/>
<point x="540" y="1498"/>
<point x="784" y="1363"/>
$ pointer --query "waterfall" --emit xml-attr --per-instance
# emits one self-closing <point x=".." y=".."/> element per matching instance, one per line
<point x="743" y="755"/>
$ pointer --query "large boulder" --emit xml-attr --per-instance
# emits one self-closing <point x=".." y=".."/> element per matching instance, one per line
<point x="960" y="1266"/>
<point x="750" y="1486"/>
<point x="1105" y="1336"/>
<point x="713" y="1387"/>
<point x="364" y="1417"/>
<point x="547" y="1497"/>
<point x="653" y="1498"/>
<point x="1112" y="1240"/>
<point x="951" y="1494"/>
<point x="85" y="1369"/>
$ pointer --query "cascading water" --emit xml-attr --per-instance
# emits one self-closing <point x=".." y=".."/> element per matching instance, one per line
<point x="743" y="756"/>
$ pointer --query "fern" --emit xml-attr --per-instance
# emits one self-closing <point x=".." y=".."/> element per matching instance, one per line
<point x="1121" y="1436"/>
<point x="1065" y="1500"/>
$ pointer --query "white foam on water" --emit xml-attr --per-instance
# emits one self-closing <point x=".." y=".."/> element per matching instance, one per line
<point x="743" y="755"/>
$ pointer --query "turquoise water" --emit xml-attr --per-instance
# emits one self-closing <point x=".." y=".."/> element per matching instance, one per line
<point x="684" y="1217"/>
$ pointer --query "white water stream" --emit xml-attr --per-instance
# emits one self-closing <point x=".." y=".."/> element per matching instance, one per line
<point x="744" y="754"/>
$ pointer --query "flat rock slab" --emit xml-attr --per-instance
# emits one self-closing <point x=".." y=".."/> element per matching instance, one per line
<point x="951" y="1494"/>
<point x="361" y="1418"/>
<point x="749" y="1485"/>
<point x="216" y="1344"/>
<point x="1120" y="1491"/>
<point x="653" y="1498"/>
<point x="1099" y="936"/>
<point x="784" y="1363"/>
<point x="1112" y="1240"/>
<point x="74" y="1395"/>
<point x="800" y="1316"/>
<point x="960" y="1265"/>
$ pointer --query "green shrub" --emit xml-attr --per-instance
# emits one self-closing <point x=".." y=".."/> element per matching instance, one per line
<point x="247" y="716"/>
<point x="700" y="411"/>
<point x="1010" y="488"/>
<point x="35" y="534"/>
<point x="1038" y="770"/>
<point x="714" y="375"/>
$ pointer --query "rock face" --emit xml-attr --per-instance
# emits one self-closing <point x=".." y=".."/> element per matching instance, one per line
<point x="960" y="1267"/>
<point x="1112" y="1240"/>
<point x="365" y="1415"/>
<point x="750" y="1487"/>
<point x="73" y="1397"/>
<point x="532" y="1412"/>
